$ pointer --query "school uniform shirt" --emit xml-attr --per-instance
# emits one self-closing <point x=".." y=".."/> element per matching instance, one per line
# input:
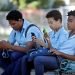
<point x="68" y="46"/>
<point x="18" y="37"/>
<point x="57" y="38"/>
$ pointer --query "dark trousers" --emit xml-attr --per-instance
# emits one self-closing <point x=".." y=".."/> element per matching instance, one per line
<point x="16" y="55"/>
<point x="19" y="67"/>
<point x="11" y="56"/>
<point x="26" y="66"/>
<point x="13" y="69"/>
<point x="42" y="63"/>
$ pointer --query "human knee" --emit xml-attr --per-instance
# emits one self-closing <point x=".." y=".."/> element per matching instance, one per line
<point x="24" y="59"/>
<point x="37" y="60"/>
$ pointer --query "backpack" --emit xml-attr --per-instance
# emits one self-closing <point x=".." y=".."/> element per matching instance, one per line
<point x="29" y="28"/>
<point x="31" y="25"/>
<point x="5" y="53"/>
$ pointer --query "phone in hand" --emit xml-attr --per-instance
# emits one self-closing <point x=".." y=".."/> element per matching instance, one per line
<point x="32" y="34"/>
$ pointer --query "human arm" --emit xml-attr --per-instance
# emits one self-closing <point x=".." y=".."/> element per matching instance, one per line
<point x="39" y="41"/>
<point x="42" y="42"/>
<point x="9" y="46"/>
<point x="64" y="55"/>
<point x="48" y="42"/>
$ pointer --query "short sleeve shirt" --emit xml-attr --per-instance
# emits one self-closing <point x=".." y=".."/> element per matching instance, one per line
<point x="18" y="37"/>
<point x="58" y="38"/>
<point x="68" y="46"/>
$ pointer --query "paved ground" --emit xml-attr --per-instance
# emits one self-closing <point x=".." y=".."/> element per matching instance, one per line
<point x="32" y="73"/>
<point x="1" y="70"/>
<point x="47" y="73"/>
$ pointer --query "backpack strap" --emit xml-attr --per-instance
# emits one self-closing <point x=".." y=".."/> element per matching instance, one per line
<point x="31" y="25"/>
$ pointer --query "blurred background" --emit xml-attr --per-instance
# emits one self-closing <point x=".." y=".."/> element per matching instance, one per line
<point x="34" y="11"/>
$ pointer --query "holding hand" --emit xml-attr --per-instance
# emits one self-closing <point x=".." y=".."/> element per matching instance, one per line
<point x="1" y="44"/>
<point x="4" y="45"/>
<point x="36" y="40"/>
<point x="56" y="52"/>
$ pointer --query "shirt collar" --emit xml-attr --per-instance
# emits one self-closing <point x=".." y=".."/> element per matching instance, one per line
<point x="58" y="32"/>
<point x="26" y="24"/>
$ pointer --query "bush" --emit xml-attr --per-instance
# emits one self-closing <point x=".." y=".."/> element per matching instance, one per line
<point x="7" y="7"/>
<point x="58" y="3"/>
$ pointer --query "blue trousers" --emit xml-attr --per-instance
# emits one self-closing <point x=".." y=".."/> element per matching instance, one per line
<point x="42" y="63"/>
<point x="38" y="52"/>
<point x="26" y="66"/>
<point x="16" y="55"/>
<point x="13" y="69"/>
<point x="19" y="67"/>
<point x="12" y="57"/>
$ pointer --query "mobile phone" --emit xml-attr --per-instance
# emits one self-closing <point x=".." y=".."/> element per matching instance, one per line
<point x="32" y="34"/>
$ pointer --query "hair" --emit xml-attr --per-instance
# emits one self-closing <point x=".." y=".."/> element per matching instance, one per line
<point x="71" y="13"/>
<point x="14" y="15"/>
<point x="55" y="14"/>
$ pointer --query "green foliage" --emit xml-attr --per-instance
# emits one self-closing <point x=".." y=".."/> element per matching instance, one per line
<point x="40" y="3"/>
<point x="22" y="4"/>
<point x="44" y="3"/>
<point x="30" y="1"/>
<point x="58" y="3"/>
<point x="34" y="4"/>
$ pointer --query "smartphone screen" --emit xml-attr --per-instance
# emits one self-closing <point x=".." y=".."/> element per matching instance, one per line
<point x="32" y="34"/>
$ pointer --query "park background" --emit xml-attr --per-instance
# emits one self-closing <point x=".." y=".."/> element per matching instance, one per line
<point x="34" y="11"/>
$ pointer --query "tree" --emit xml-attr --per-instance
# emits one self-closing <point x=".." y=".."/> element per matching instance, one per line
<point x="36" y="3"/>
<point x="58" y="3"/>
<point x="6" y="5"/>
<point x="44" y="3"/>
<point x="22" y="4"/>
<point x="19" y="3"/>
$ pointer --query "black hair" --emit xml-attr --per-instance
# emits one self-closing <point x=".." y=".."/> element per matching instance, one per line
<point x="14" y="15"/>
<point x="55" y="14"/>
<point x="71" y="13"/>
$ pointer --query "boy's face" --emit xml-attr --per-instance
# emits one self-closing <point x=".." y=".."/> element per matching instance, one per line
<point x="16" y="25"/>
<point x="71" y="22"/>
<point x="53" y="24"/>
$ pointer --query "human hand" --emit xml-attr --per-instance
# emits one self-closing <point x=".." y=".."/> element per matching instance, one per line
<point x="1" y="45"/>
<point x="33" y="38"/>
<point x="5" y="44"/>
<point x="36" y="40"/>
<point x="47" y="39"/>
<point x="56" y="52"/>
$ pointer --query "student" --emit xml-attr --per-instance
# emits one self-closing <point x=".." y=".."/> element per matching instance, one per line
<point x="65" y="50"/>
<point x="18" y="44"/>
<point x="56" y="37"/>
<point x="58" y="32"/>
